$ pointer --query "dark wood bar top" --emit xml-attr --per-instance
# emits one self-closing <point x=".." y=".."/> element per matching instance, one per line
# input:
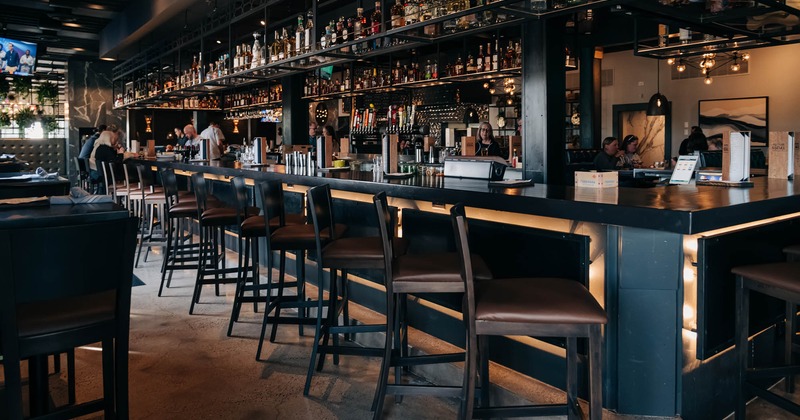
<point x="57" y="215"/>
<point x="685" y="209"/>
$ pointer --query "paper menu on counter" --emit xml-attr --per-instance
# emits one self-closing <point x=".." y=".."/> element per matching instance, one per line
<point x="684" y="169"/>
<point x="736" y="156"/>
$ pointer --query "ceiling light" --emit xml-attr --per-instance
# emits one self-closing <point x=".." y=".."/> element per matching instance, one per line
<point x="670" y="61"/>
<point x="735" y="66"/>
<point x="108" y="59"/>
<point x="79" y="49"/>
<point x="658" y="104"/>
<point x="219" y="42"/>
<point x="708" y="80"/>
<point x="72" y="25"/>
<point x="681" y="66"/>
<point x="263" y="23"/>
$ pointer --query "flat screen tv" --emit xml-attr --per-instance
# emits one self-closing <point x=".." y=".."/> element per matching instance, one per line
<point x="17" y="57"/>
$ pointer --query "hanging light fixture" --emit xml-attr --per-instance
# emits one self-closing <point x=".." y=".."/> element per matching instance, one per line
<point x="658" y="104"/>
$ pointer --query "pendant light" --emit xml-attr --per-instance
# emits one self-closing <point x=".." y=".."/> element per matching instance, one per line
<point x="658" y="104"/>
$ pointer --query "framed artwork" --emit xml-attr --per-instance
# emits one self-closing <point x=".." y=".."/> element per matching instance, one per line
<point x="718" y="116"/>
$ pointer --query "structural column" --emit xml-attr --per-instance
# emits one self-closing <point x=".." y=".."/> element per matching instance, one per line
<point x="295" y="110"/>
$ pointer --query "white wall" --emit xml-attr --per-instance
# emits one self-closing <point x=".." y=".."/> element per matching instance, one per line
<point x="774" y="72"/>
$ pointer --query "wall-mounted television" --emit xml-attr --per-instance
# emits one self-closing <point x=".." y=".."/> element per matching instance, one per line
<point x="17" y="57"/>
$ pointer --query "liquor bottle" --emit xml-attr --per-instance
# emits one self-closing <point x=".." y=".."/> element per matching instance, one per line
<point x="309" y="30"/>
<point x="428" y="71"/>
<point x="487" y="59"/>
<point x="412" y="12"/>
<point x="377" y="18"/>
<point x="236" y="59"/>
<point x="347" y="80"/>
<point x="285" y="48"/>
<point x="345" y="33"/>
<point x="193" y="70"/>
<point x="479" y="59"/>
<point x="495" y="55"/>
<point x="289" y="43"/>
<point x="360" y="23"/>
<point x="509" y="57"/>
<point x="396" y="77"/>
<point x="333" y="39"/>
<point x="517" y="55"/>
<point x="471" y="67"/>
<point x="299" y="33"/>
<point x="199" y="75"/>
<point x="435" y="70"/>
<point x="323" y="40"/>
<point x="275" y="48"/>
<point x="397" y="15"/>
<point x="351" y="29"/>
<point x="256" y="61"/>
<point x="459" y="67"/>
<point x="341" y="37"/>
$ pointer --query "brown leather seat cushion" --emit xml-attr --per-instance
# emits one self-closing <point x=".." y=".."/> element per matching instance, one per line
<point x="254" y="225"/>
<point x="183" y="209"/>
<point x="784" y="275"/>
<point x="301" y="236"/>
<point x="536" y="300"/>
<point x="434" y="273"/>
<point x="360" y="252"/>
<point x="64" y="314"/>
<point x="221" y="216"/>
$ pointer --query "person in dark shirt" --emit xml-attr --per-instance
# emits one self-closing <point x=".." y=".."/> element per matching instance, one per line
<point x="12" y="59"/>
<point x="608" y="159"/>
<point x="486" y="141"/>
<point x="312" y="133"/>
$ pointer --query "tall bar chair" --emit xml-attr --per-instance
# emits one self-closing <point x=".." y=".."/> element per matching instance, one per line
<point x="413" y="274"/>
<point x="340" y="255"/>
<point x="779" y="280"/>
<point x="180" y="210"/>
<point x="539" y="307"/>
<point x="212" y="268"/>
<point x="282" y="237"/>
<point x="151" y="203"/>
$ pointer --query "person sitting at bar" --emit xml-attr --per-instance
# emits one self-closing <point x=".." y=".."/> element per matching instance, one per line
<point x="608" y="159"/>
<point x="105" y="149"/>
<point x="630" y="159"/>
<point x="88" y="147"/>
<point x="312" y="133"/>
<point x="486" y="144"/>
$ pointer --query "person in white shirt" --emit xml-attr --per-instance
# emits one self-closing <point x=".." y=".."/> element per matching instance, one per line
<point x="214" y="134"/>
<point x="192" y="139"/>
<point x="26" y="63"/>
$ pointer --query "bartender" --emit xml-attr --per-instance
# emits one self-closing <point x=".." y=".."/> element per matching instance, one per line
<point x="486" y="144"/>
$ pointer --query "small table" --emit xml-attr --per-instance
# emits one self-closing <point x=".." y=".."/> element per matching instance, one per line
<point x="16" y="185"/>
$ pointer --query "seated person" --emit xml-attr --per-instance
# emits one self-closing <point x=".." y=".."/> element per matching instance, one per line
<point x="630" y="159"/>
<point x="608" y="159"/>
<point x="486" y="145"/>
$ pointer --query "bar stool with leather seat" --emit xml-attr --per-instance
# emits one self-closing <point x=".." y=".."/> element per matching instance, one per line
<point x="282" y="237"/>
<point x="64" y="304"/>
<point x="211" y="258"/>
<point x="181" y="209"/>
<point x="414" y="274"/>
<point x="782" y="281"/>
<point x="151" y="210"/>
<point x="536" y="307"/>
<point x="340" y="255"/>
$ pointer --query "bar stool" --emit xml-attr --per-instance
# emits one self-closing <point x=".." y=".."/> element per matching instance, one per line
<point x="286" y="237"/>
<point x="341" y="255"/>
<point x="251" y="227"/>
<point x="541" y="307"/>
<point x="180" y="209"/>
<point x="413" y="274"/>
<point x="212" y="222"/>
<point x="782" y="281"/>
<point x="151" y="208"/>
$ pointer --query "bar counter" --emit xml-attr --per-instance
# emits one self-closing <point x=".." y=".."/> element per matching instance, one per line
<point x="658" y="260"/>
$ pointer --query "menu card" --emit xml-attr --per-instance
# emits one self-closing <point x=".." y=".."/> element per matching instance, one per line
<point x="736" y="156"/>
<point x="781" y="154"/>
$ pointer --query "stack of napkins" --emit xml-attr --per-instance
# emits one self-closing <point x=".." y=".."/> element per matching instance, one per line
<point x="78" y="195"/>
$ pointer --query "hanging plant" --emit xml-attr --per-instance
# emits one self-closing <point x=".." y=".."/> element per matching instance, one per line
<point x="24" y="119"/>
<point x="49" y="124"/>
<point x="22" y="85"/>
<point x="47" y="93"/>
<point x="5" y="119"/>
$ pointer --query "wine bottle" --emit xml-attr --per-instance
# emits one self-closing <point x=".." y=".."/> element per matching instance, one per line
<point x="397" y="14"/>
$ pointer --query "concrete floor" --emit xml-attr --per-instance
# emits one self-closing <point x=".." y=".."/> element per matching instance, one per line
<point x="184" y="367"/>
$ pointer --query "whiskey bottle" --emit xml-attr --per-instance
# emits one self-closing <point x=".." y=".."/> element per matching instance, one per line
<point x="299" y="33"/>
<point x="495" y="55"/>
<point x="487" y="59"/>
<point x="290" y="43"/>
<point x="377" y="18"/>
<point x="397" y="14"/>
<point x="360" y="24"/>
<point x="471" y="68"/>
<point x="459" y="67"/>
<point x="479" y="59"/>
<point x="309" y="30"/>
<point x="275" y="48"/>
<point x="412" y="12"/>
<point x="236" y="59"/>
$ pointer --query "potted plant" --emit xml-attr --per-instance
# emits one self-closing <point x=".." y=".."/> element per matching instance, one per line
<point x="47" y="93"/>
<point x="4" y="88"/>
<point x="49" y="124"/>
<point x="24" y="119"/>
<point x="5" y="118"/>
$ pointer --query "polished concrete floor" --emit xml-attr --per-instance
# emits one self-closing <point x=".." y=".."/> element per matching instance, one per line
<point x="184" y="367"/>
